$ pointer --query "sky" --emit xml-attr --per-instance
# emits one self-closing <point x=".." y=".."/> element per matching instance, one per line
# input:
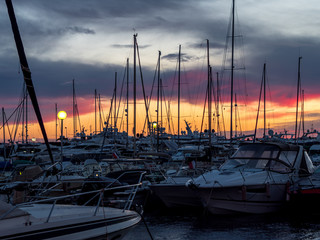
<point x="89" y="41"/>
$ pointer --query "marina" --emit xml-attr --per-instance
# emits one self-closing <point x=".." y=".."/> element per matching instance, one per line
<point x="141" y="168"/>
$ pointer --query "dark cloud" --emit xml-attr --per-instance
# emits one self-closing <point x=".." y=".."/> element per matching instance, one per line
<point x="173" y="57"/>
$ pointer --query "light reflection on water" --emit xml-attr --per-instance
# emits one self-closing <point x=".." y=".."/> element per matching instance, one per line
<point x="249" y="227"/>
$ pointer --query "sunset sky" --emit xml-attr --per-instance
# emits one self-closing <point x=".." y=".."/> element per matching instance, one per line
<point x="89" y="41"/>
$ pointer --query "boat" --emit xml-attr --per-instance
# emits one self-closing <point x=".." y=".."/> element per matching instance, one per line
<point x="256" y="179"/>
<point x="314" y="153"/>
<point x="55" y="221"/>
<point x="305" y="195"/>
<point x="173" y="191"/>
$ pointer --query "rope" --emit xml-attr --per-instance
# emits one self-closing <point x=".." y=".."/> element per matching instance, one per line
<point x="145" y="224"/>
<point x="104" y="214"/>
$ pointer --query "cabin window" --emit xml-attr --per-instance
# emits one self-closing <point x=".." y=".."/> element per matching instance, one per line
<point x="279" y="167"/>
<point x="256" y="151"/>
<point x="288" y="157"/>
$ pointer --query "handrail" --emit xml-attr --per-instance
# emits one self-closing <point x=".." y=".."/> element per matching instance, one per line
<point x="54" y="199"/>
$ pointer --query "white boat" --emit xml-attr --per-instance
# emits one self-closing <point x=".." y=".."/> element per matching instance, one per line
<point x="314" y="153"/>
<point x="256" y="179"/>
<point x="50" y="221"/>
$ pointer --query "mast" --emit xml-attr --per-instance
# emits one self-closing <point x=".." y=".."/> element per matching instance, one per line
<point x="264" y="100"/>
<point x="257" y="118"/>
<point x="298" y="91"/>
<point x="232" y="68"/>
<point x="161" y="95"/>
<point x="4" y="135"/>
<point x="235" y="115"/>
<point x="99" y="106"/>
<point x="218" y="103"/>
<point x="74" y="110"/>
<point x="23" y="102"/>
<point x="127" y="110"/>
<point x="302" y="111"/>
<point x="26" y="117"/>
<point x="209" y="93"/>
<point x="134" y="93"/>
<point x="27" y="74"/>
<point x="95" y="111"/>
<point x="115" y="106"/>
<point x="158" y="95"/>
<point x="179" y="82"/>
<point x="209" y="97"/>
<point x="56" y="106"/>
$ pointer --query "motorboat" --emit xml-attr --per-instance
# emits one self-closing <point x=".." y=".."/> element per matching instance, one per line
<point x="305" y="195"/>
<point x="314" y="153"/>
<point x="55" y="221"/>
<point x="173" y="191"/>
<point x="256" y="179"/>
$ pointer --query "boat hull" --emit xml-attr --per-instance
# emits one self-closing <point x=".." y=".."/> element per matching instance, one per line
<point x="113" y="224"/>
<point x="176" y="195"/>
<point x="253" y="199"/>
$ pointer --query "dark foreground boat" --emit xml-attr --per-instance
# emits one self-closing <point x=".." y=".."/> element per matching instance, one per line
<point x="50" y="221"/>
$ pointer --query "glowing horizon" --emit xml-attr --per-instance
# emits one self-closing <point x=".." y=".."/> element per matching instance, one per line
<point x="279" y="118"/>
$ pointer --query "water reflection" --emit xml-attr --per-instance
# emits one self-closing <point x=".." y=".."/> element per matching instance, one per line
<point x="177" y="226"/>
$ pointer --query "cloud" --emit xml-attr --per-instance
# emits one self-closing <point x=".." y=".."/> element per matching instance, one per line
<point x="173" y="57"/>
<point x="90" y="40"/>
<point x="76" y="29"/>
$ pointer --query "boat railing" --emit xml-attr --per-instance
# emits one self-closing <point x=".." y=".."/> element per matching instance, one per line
<point x="134" y="188"/>
<point x="55" y="199"/>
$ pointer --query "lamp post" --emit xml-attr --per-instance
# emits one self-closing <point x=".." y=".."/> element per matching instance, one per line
<point x="154" y="126"/>
<point x="62" y="115"/>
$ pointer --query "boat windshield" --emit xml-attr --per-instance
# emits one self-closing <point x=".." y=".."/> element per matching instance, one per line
<point x="257" y="151"/>
<point x="261" y="157"/>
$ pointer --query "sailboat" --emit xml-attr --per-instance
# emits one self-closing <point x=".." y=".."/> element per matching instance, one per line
<point x="37" y="220"/>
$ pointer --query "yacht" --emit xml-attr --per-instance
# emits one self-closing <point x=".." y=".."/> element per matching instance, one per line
<point x="256" y="179"/>
<point x="55" y="221"/>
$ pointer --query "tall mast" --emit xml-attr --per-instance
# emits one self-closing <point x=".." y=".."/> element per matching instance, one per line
<point x="232" y="68"/>
<point x="179" y="82"/>
<point x="235" y="115"/>
<point x="298" y="91"/>
<point x="95" y="111"/>
<point x="161" y="95"/>
<point x="115" y="106"/>
<point x="134" y="93"/>
<point x="302" y="111"/>
<point x="74" y="110"/>
<point x="4" y="134"/>
<point x="22" y="124"/>
<point x="27" y="74"/>
<point x="127" y="110"/>
<point x="257" y="119"/>
<point x="264" y="100"/>
<point x="26" y="117"/>
<point x="218" y="103"/>
<point x="158" y="95"/>
<point x="209" y="96"/>
<point x="99" y="105"/>
<point x="56" y="106"/>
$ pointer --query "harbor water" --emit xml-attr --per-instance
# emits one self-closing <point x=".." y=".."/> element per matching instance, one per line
<point x="250" y="227"/>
